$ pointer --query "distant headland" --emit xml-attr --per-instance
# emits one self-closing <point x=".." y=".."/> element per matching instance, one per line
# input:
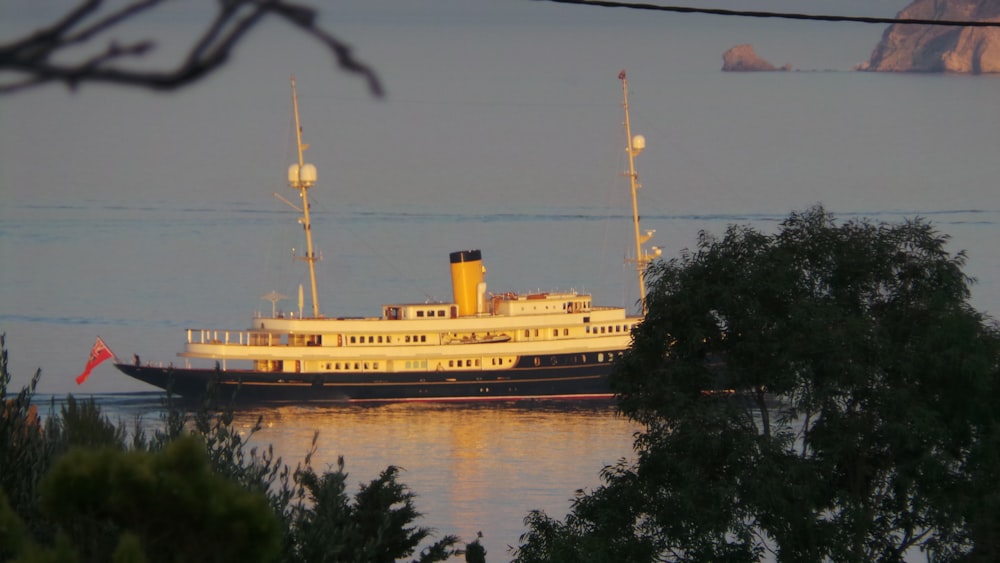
<point x="923" y="48"/>
<point x="917" y="48"/>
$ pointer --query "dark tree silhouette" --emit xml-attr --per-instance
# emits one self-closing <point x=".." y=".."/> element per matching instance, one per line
<point x="824" y="393"/>
<point x="81" y="46"/>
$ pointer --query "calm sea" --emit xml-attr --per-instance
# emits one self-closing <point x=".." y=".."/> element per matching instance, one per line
<point x="134" y="216"/>
<point x="474" y="467"/>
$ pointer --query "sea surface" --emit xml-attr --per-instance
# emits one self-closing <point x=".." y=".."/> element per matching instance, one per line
<point x="474" y="467"/>
<point x="133" y="215"/>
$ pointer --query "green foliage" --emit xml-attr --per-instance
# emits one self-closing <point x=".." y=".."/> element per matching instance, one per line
<point x="76" y="488"/>
<point x="13" y="536"/>
<point x="96" y="495"/>
<point x="25" y="454"/>
<point x="375" y="527"/>
<point x="475" y="552"/>
<point x="823" y="393"/>
<point x="81" y="424"/>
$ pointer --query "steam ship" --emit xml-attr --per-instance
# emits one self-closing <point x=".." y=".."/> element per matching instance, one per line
<point x="479" y="346"/>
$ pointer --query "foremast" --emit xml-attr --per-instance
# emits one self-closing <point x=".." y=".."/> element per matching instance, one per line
<point x="635" y="145"/>
<point x="301" y="177"/>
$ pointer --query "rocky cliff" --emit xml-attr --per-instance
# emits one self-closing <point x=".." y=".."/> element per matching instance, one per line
<point x="743" y="58"/>
<point x="923" y="48"/>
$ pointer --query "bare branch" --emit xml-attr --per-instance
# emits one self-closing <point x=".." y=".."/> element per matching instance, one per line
<point x="112" y="20"/>
<point x="32" y="58"/>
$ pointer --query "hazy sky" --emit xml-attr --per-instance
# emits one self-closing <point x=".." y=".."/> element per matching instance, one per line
<point x="486" y="99"/>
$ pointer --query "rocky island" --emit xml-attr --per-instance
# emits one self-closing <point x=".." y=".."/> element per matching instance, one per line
<point x="742" y="58"/>
<point x="926" y="48"/>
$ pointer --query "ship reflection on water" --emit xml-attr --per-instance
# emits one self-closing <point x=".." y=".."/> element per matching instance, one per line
<point x="474" y="467"/>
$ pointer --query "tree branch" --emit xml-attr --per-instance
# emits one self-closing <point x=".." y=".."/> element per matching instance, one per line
<point x="32" y="58"/>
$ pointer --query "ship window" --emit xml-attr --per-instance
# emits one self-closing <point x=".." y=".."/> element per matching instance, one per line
<point x="379" y="339"/>
<point x="588" y="329"/>
<point x="375" y="365"/>
<point x="555" y="332"/>
<point x="357" y="365"/>
<point x="366" y="365"/>
<point x="371" y="339"/>
<point x="451" y="363"/>
<point x="441" y="313"/>
<point x="536" y="332"/>
<point x="328" y="365"/>
<point x="477" y="362"/>
<point x="353" y="340"/>
<point x="527" y="333"/>
<point x="423" y="338"/>
<point x="565" y="332"/>
<point x="407" y="337"/>
<point x="468" y="363"/>
<point x="420" y="313"/>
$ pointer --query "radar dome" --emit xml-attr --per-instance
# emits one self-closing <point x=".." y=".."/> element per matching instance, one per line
<point x="307" y="175"/>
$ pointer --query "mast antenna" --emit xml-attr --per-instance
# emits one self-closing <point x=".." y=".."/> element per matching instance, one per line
<point x="301" y="176"/>
<point x="635" y="145"/>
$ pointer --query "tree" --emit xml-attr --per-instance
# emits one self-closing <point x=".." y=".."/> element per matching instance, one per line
<point x="80" y="46"/>
<point x="822" y="393"/>
<point x="76" y="487"/>
<point x="376" y="527"/>
<point x="154" y="499"/>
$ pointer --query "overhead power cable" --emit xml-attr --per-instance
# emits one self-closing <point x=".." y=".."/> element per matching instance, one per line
<point x="781" y="15"/>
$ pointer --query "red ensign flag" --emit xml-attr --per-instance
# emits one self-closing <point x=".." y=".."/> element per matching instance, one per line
<point x="98" y="354"/>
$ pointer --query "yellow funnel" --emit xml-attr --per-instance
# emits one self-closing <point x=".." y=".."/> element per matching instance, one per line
<point x="466" y="275"/>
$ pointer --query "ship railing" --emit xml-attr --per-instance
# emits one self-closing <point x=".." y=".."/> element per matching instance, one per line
<point x="211" y="336"/>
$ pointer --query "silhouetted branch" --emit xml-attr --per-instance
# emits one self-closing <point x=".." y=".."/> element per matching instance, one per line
<point x="33" y="59"/>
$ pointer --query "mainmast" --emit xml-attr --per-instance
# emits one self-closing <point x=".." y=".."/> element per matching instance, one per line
<point x="301" y="177"/>
<point x="635" y="146"/>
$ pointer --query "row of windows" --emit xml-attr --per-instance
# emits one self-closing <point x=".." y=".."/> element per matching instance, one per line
<point x="387" y="339"/>
<point x="410" y="364"/>
<point x="439" y="313"/>
<point x="555" y="332"/>
<point x="380" y="339"/>
<point x="608" y="329"/>
<point x="580" y="359"/>
<point x="467" y="362"/>
<point x="351" y="366"/>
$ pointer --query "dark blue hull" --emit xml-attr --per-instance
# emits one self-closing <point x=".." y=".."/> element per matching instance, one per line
<point x="576" y="381"/>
